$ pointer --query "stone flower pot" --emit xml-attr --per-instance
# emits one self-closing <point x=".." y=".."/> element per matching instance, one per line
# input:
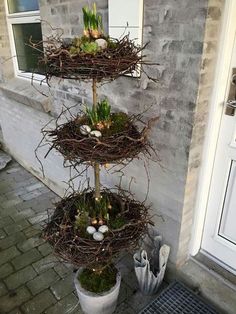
<point x="92" y="303"/>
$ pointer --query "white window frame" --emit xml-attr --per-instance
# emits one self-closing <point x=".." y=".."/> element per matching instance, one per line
<point x="27" y="17"/>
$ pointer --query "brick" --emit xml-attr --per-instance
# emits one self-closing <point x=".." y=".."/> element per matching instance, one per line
<point x="18" y="226"/>
<point x="39" y="303"/>
<point x="69" y="304"/>
<point x="30" y="244"/>
<point x="45" y="249"/>
<point x="63" y="287"/>
<point x="20" y="277"/>
<point x="25" y="259"/>
<point x="45" y="263"/>
<point x="13" y="300"/>
<point x="5" y="270"/>
<point x="42" y="281"/>
<point x="8" y="255"/>
<point x="12" y="240"/>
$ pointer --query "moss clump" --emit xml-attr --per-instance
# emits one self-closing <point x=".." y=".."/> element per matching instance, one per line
<point x="117" y="222"/>
<point x="98" y="282"/>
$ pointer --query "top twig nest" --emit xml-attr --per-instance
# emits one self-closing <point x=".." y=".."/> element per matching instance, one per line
<point x="122" y="57"/>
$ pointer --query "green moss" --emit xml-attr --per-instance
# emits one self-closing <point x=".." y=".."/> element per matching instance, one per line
<point x="117" y="222"/>
<point x="98" y="282"/>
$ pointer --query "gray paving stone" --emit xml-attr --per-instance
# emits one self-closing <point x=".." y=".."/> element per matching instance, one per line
<point x="20" y="277"/>
<point x="6" y="270"/>
<point x="22" y="214"/>
<point x="124" y="308"/>
<point x="8" y="254"/>
<point x="63" y="287"/>
<point x="45" y="263"/>
<point x="30" y="244"/>
<point x="5" y="212"/>
<point x="2" y="234"/>
<point x="138" y="301"/>
<point x="38" y="218"/>
<point x="5" y="221"/>
<point x="63" y="269"/>
<point x="35" y="186"/>
<point x="69" y="304"/>
<point x="16" y="311"/>
<point x="30" y="195"/>
<point x="11" y="202"/>
<point x="12" y="240"/>
<point x="14" y="299"/>
<point x="18" y="226"/>
<point x="125" y="292"/>
<point x="32" y="230"/>
<point x="42" y="281"/>
<point x="4" y="159"/>
<point x="26" y="259"/>
<point x="3" y="289"/>
<point x="39" y="303"/>
<point x="45" y="249"/>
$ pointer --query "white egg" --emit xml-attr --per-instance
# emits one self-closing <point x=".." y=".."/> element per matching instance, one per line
<point x="98" y="236"/>
<point x="103" y="228"/>
<point x="96" y="133"/>
<point x="85" y="129"/>
<point x="91" y="229"/>
<point x="102" y="43"/>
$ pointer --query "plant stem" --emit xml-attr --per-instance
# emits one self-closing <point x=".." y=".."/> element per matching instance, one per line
<point x="96" y="165"/>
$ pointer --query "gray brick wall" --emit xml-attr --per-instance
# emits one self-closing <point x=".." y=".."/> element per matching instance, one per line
<point x="175" y="30"/>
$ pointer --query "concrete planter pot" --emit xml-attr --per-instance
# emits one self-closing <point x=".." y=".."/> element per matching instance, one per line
<point x="91" y="303"/>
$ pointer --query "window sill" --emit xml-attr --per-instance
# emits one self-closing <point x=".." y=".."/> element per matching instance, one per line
<point x="23" y="92"/>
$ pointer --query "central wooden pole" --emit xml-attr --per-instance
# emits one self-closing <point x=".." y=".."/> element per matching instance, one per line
<point x="96" y="165"/>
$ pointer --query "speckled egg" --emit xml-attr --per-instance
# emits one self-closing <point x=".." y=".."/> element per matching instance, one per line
<point x="85" y="129"/>
<point x="103" y="228"/>
<point x="98" y="236"/>
<point x="102" y="43"/>
<point x="96" y="133"/>
<point x="91" y="229"/>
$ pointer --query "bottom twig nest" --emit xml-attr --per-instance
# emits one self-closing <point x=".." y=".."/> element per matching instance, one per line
<point x="125" y="218"/>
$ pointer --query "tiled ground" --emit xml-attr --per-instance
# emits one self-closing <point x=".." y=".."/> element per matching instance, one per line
<point x="32" y="280"/>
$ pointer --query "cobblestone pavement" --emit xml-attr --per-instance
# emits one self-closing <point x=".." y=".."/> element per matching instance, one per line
<point x="32" y="280"/>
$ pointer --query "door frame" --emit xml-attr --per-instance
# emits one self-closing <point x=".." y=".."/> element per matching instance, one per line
<point x="228" y="29"/>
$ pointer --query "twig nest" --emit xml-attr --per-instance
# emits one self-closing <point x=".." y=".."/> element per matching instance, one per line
<point x="96" y="133"/>
<point x="85" y="129"/>
<point x="103" y="228"/>
<point x="102" y="43"/>
<point x="91" y="230"/>
<point x="98" y="236"/>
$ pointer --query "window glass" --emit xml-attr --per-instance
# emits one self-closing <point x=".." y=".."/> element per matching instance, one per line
<point x="15" y="6"/>
<point x="27" y="57"/>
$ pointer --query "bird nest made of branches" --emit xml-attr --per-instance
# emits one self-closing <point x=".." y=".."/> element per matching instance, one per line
<point x="127" y="224"/>
<point x="120" y="57"/>
<point x="122" y="141"/>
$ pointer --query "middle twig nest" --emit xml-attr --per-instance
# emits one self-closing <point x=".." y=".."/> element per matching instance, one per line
<point x="100" y="136"/>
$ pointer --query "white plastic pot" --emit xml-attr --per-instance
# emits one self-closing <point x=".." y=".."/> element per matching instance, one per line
<point x="92" y="303"/>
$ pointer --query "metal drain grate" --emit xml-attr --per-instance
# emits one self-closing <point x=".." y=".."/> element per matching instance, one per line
<point x="178" y="299"/>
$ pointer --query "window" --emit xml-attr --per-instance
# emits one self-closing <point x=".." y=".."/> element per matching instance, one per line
<point x="24" y="23"/>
